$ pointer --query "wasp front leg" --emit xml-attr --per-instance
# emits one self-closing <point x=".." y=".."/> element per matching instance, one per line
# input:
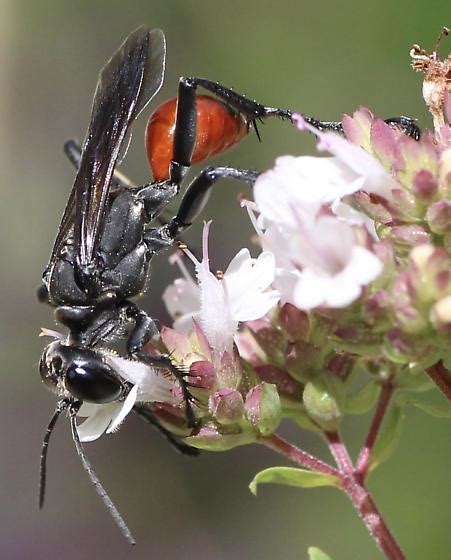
<point x="144" y="330"/>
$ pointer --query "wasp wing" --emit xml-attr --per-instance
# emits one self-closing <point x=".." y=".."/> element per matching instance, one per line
<point x="129" y="80"/>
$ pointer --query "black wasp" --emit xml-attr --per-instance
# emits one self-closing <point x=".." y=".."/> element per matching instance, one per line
<point x="105" y="242"/>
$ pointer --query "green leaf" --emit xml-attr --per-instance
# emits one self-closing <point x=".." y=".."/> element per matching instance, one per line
<point x="413" y="379"/>
<point x="315" y="553"/>
<point x="290" y="476"/>
<point x="388" y="437"/>
<point x="438" y="410"/>
<point x="363" y="400"/>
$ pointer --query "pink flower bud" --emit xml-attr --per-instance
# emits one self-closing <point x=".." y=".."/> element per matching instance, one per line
<point x="202" y="375"/>
<point x="271" y="341"/>
<point x="263" y="409"/>
<point x="429" y="272"/>
<point x="424" y="185"/>
<point x="285" y="384"/>
<point x="439" y="216"/>
<point x="226" y="406"/>
<point x="409" y="235"/>
<point x="295" y="322"/>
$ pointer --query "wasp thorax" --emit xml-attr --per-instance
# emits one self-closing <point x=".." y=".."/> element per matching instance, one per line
<point x="80" y="373"/>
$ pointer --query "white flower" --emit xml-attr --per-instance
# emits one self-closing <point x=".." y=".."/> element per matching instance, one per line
<point x="149" y="385"/>
<point x="335" y="267"/>
<point x="241" y="294"/>
<point x="368" y="173"/>
<point x="182" y="300"/>
<point x="321" y="257"/>
<point x="302" y="184"/>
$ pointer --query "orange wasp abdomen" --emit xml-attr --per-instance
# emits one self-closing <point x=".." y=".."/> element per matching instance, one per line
<point x="218" y="128"/>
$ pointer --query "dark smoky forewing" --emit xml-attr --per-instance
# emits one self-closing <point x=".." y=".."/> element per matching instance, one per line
<point x="153" y="79"/>
<point x="120" y="94"/>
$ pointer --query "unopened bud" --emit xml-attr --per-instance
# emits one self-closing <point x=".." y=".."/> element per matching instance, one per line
<point x="226" y="406"/>
<point x="286" y="385"/>
<point x="263" y="408"/>
<point x="424" y="185"/>
<point x="439" y="217"/>
<point x="321" y="399"/>
<point x="409" y="235"/>
<point x="202" y="375"/>
<point x="294" y="322"/>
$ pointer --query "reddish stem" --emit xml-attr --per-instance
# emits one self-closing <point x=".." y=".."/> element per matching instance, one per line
<point x="276" y="443"/>
<point x="372" y="518"/>
<point x="349" y="481"/>
<point x="363" y="460"/>
<point x="441" y="377"/>
<point x="339" y="452"/>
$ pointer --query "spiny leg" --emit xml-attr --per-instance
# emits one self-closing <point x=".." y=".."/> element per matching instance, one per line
<point x="196" y="195"/>
<point x="186" y="119"/>
<point x="163" y="361"/>
<point x="407" y="125"/>
<point x="147" y="414"/>
<point x="144" y="329"/>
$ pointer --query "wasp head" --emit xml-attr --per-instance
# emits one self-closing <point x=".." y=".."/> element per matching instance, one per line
<point x="80" y="373"/>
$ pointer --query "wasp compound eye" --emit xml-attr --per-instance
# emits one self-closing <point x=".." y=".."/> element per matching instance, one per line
<point x="93" y="383"/>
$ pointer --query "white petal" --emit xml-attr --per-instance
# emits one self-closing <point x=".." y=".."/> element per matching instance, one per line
<point x="354" y="217"/>
<point x="257" y="306"/>
<point x="244" y="288"/>
<point x="152" y="384"/>
<point x="302" y="184"/>
<point x="182" y="297"/>
<point x="126" y="407"/>
<point x="96" y="424"/>
<point x="376" y="179"/>
<point x="314" y="289"/>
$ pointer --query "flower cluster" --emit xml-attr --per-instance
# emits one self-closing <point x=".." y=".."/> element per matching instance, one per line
<point x="352" y="287"/>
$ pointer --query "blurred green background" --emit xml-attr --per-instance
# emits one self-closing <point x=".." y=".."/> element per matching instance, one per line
<point x="321" y="58"/>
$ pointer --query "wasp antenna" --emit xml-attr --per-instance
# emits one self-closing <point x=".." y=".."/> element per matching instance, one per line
<point x="98" y="486"/>
<point x="62" y="405"/>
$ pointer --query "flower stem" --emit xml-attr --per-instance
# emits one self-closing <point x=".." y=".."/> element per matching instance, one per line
<point x="276" y="443"/>
<point x="441" y="377"/>
<point x="349" y="481"/>
<point x="339" y="452"/>
<point x="371" y="516"/>
<point x="363" y="460"/>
